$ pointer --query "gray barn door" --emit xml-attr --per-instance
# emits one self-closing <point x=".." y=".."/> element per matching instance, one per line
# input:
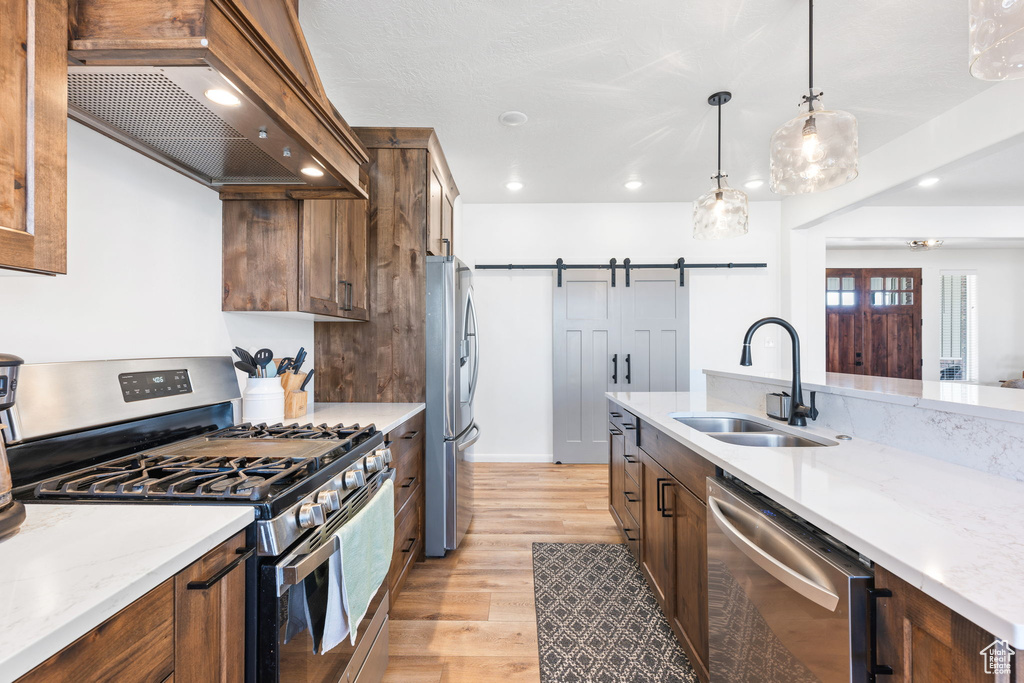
<point x="586" y="334"/>
<point x="655" y="332"/>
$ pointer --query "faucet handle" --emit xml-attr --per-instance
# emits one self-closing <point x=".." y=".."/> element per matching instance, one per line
<point x="810" y="411"/>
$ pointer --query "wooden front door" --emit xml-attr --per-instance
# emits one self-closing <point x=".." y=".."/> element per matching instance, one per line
<point x="873" y="321"/>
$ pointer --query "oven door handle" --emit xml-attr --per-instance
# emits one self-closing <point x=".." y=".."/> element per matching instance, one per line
<point x="803" y="585"/>
<point x="293" y="574"/>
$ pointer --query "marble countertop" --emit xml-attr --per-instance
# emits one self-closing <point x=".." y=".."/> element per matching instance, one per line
<point x="386" y="416"/>
<point x="954" y="532"/>
<point x="957" y="397"/>
<point x="71" y="567"/>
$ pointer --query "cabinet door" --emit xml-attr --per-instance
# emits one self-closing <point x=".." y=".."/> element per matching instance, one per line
<point x="616" y="472"/>
<point x="926" y="642"/>
<point x="353" y="257"/>
<point x="321" y="290"/>
<point x="209" y="616"/>
<point x="435" y="214"/>
<point x="690" y="589"/>
<point x="657" y="555"/>
<point x="33" y="136"/>
<point x="448" y="224"/>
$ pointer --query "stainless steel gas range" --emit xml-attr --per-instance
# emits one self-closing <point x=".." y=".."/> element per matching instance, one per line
<point x="165" y="431"/>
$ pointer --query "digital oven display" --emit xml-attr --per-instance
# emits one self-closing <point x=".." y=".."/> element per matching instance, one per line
<point x="139" y="386"/>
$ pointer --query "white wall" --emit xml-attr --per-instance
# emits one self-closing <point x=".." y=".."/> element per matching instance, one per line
<point x="1000" y="306"/>
<point x="144" y="270"/>
<point x="514" y="400"/>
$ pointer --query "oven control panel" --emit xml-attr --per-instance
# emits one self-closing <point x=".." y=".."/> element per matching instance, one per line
<point x="140" y="386"/>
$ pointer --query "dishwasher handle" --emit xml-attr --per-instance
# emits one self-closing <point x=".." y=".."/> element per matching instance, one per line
<point x="808" y="588"/>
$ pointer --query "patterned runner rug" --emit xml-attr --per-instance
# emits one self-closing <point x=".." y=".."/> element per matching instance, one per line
<point x="597" y="620"/>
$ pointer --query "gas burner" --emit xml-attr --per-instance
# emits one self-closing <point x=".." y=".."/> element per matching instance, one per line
<point x="339" y="432"/>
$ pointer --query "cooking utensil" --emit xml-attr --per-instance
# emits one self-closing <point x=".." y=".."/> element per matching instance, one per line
<point x="246" y="368"/>
<point x="285" y="364"/>
<point x="302" y="387"/>
<point x="263" y="358"/>
<point x="245" y="356"/>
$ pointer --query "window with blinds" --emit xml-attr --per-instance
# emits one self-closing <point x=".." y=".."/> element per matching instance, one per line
<point x="958" y="351"/>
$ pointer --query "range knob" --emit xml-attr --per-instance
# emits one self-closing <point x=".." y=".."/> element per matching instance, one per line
<point x="311" y="515"/>
<point x="373" y="463"/>
<point x="329" y="499"/>
<point x="354" y="479"/>
<point x="384" y="453"/>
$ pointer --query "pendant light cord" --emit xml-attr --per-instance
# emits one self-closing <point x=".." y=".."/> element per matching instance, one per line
<point x="810" y="56"/>
<point x="719" y="147"/>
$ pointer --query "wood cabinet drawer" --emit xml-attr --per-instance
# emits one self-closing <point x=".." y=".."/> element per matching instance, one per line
<point x="631" y="529"/>
<point x="136" y="644"/>
<point x="408" y="542"/>
<point x="689" y="468"/>
<point x="409" y="478"/>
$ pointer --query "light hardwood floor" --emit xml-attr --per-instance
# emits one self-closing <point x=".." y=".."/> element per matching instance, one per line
<point x="469" y="617"/>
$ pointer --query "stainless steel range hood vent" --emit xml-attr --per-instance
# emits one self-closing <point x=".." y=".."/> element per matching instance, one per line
<point x="164" y="113"/>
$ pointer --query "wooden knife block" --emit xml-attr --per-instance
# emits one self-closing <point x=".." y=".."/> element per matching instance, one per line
<point x="295" y="401"/>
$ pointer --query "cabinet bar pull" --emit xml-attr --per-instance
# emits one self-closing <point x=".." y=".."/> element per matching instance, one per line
<point x="629" y="426"/>
<point x="629" y="369"/>
<point x="876" y="669"/>
<point x="626" y="531"/>
<point x="627" y="494"/>
<point x="615" y="374"/>
<point x="243" y="555"/>
<point x="408" y="548"/>
<point x="615" y="432"/>
<point x="628" y="458"/>
<point x="615" y="414"/>
<point x="411" y="435"/>
<point x="408" y="483"/>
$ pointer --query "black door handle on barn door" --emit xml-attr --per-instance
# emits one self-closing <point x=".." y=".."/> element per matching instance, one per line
<point x="615" y="368"/>
<point x="628" y="369"/>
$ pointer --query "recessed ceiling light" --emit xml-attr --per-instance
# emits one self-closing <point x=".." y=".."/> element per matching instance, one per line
<point x="634" y="184"/>
<point x="514" y="185"/>
<point x="928" y="182"/>
<point x="513" y="118"/>
<point x="312" y="171"/>
<point x="753" y="184"/>
<point x="221" y="96"/>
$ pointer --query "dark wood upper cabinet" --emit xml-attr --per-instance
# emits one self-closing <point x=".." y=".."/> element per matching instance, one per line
<point x="298" y="257"/>
<point x="143" y="73"/>
<point x="33" y="136"/>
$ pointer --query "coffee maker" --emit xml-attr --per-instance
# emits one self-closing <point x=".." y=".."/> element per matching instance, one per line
<point x="12" y="512"/>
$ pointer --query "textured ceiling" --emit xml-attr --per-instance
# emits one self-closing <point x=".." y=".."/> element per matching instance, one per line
<point x="616" y="89"/>
<point x="993" y="180"/>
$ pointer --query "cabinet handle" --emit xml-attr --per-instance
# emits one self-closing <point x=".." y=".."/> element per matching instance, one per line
<point x="628" y="369"/>
<point x="411" y="435"/>
<point x="877" y="669"/>
<point x="662" y="484"/>
<point x="629" y="426"/>
<point x="387" y="444"/>
<point x="408" y="548"/>
<point x="615" y="414"/>
<point x="615" y="432"/>
<point x="408" y="483"/>
<point x="243" y="555"/>
<point x="629" y="459"/>
<point x="615" y="373"/>
<point x="626" y="531"/>
<point x="627" y="494"/>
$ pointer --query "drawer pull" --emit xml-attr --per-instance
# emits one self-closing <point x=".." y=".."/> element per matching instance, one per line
<point x="408" y="548"/>
<point x="615" y="432"/>
<point x="627" y="494"/>
<point x="629" y="426"/>
<point x="243" y="555"/>
<point x="408" y="482"/>
<point x="411" y="435"/>
<point x="387" y="444"/>
<point x="626" y="531"/>
<point x="615" y="414"/>
<point x="629" y="459"/>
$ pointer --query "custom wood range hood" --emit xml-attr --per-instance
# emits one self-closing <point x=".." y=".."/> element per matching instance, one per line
<point x="149" y="73"/>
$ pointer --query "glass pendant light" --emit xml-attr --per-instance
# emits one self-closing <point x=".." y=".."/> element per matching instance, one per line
<point x="817" y="150"/>
<point x="997" y="39"/>
<point x="721" y="212"/>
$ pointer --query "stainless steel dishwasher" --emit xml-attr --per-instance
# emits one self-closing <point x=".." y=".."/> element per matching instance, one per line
<point x="785" y="604"/>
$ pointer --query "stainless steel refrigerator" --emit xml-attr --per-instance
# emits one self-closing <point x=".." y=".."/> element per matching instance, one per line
<point x="453" y="364"/>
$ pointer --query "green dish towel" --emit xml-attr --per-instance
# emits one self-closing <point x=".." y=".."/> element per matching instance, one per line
<point x="367" y="541"/>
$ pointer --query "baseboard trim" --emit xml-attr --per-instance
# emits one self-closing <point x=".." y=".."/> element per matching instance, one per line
<point x="509" y="457"/>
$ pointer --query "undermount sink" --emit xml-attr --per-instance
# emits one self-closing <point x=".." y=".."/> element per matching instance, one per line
<point x="771" y="439"/>
<point x="743" y="430"/>
<point x="723" y="424"/>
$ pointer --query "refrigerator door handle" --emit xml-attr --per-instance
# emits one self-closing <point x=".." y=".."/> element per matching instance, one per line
<point x="469" y="442"/>
<point x="471" y="310"/>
